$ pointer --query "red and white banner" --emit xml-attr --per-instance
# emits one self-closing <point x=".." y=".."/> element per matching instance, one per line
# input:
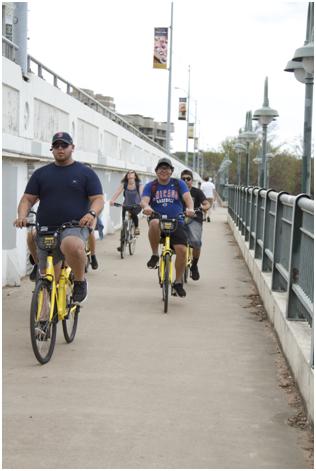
<point x="191" y="131"/>
<point x="160" y="48"/>
<point x="182" y="108"/>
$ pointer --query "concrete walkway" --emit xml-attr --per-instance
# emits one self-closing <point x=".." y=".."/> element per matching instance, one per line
<point x="196" y="388"/>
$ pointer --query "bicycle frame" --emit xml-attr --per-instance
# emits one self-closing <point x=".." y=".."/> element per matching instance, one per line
<point x="59" y="293"/>
<point x="166" y="250"/>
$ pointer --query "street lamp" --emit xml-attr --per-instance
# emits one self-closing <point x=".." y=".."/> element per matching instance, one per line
<point x="222" y="173"/>
<point x="258" y="161"/>
<point x="239" y="148"/>
<point x="188" y="125"/>
<point x="248" y="136"/>
<point x="302" y="65"/>
<point x="264" y="115"/>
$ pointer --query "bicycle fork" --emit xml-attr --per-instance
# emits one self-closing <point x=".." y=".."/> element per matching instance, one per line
<point x="43" y="294"/>
<point x="166" y="251"/>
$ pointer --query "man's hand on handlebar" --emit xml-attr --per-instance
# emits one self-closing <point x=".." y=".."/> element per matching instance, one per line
<point x="190" y="212"/>
<point x="20" y="222"/>
<point x="147" y="211"/>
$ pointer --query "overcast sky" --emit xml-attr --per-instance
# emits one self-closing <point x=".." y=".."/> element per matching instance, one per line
<point x="231" y="46"/>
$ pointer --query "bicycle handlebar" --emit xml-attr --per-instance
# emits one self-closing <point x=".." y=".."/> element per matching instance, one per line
<point x="60" y="228"/>
<point x="164" y="217"/>
<point x="180" y="216"/>
<point x="133" y="206"/>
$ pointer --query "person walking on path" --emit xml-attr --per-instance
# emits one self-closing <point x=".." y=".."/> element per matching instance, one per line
<point x="208" y="189"/>
<point x="66" y="190"/>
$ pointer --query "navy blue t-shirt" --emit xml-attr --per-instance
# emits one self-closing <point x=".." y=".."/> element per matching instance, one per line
<point x="63" y="192"/>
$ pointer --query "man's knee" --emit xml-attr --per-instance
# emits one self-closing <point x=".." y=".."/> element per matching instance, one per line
<point x="72" y="246"/>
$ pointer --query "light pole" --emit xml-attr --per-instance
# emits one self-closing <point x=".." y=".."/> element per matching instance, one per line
<point x="188" y="119"/>
<point x="248" y="136"/>
<point x="239" y="148"/>
<point x="302" y="65"/>
<point x="169" y="86"/>
<point x="264" y="115"/>
<point x="258" y="161"/>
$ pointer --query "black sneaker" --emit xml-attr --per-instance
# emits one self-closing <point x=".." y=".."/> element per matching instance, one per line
<point x="208" y="219"/>
<point x="33" y="273"/>
<point x="80" y="292"/>
<point x="94" y="262"/>
<point x="152" y="263"/>
<point x="194" y="272"/>
<point x="178" y="290"/>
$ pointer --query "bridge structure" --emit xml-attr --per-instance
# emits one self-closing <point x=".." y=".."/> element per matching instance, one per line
<point x="274" y="231"/>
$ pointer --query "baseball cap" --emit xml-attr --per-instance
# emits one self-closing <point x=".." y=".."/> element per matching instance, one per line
<point x="187" y="172"/>
<point x="62" y="136"/>
<point x="164" y="161"/>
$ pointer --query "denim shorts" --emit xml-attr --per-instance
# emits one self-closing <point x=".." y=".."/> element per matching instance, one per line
<point x="81" y="232"/>
<point x="194" y="231"/>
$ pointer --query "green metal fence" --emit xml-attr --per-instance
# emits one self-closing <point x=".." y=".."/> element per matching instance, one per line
<point x="279" y="228"/>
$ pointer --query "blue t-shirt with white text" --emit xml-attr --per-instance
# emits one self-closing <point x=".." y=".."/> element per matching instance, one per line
<point x="166" y="199"/>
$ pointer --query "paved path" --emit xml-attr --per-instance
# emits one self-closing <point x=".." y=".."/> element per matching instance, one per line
<point x="196" y="388"/>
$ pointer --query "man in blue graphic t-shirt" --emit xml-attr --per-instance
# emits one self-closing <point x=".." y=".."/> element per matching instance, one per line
<point x="66" y="190"/>
<point x="166" y="196"/>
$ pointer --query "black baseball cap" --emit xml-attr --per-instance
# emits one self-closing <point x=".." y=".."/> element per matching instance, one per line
<point x="187" y="172"/>
<point x="62" y="136"/>
<point x="164" y="161"/>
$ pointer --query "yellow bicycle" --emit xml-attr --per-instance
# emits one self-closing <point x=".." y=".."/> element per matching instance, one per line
<point x="52" y="299"/>
<point x="189" y="251"/>
<point x="165" y="267"/>
<point x="188" y="262"/>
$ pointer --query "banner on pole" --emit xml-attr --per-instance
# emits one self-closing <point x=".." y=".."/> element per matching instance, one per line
<point x="182" y="108"/>
<point x="191" y="131"/>
<point x="196" y="143"/>
<point x="160" y="48"/>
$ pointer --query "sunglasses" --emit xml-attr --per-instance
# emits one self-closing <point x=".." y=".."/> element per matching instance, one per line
<point x="187" y="179"/>
<point x="61" y="144"/>
<point x="163" y="167"/>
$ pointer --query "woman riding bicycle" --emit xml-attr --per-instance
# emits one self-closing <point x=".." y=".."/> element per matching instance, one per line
<point x="132" y="188"/>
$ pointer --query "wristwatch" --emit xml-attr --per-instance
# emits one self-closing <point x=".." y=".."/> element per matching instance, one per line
<point x="93" y="213"/>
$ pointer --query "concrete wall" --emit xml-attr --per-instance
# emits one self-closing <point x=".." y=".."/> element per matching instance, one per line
<point x="32" y="112"/>
<point x="295" y="336"/>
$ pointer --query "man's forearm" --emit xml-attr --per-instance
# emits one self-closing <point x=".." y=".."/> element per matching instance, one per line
<point x="97" y="205"/>
<point x="24" y="208"/>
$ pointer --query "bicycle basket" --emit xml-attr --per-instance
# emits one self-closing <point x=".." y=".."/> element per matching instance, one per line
<point x="47" y="240"/>
<point x="168" y="226"/>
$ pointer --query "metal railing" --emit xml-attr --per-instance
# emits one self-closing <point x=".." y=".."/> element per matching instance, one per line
<point x="280" y="230"/>
<point x="9" y="49"/>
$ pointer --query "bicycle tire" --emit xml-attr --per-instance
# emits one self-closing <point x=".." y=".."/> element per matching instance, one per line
<point x="123" y="240"/>
<point x="185" y="274"/>
<point x="88" y="263"/>
<point x="43" y="332"/>
<point x="132" y="239"/>
<point x="166" y="283"/>
<point x="70" y="322"/>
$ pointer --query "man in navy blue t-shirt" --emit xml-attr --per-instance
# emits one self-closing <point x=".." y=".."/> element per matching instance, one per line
<point x="166" y="196"/>
<point x="66" y="190"/>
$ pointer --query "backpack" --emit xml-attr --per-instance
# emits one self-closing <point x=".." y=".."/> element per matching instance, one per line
<point x="155" y="184"/>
